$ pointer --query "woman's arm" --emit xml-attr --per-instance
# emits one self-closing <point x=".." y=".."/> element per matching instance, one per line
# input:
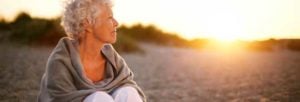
<point x="60" y="83"/>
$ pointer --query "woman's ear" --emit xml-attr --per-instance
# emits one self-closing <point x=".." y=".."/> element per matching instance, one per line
<point x="87" y="26"/>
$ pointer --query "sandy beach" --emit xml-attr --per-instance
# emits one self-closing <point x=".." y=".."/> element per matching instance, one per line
<point x="168" y="74"/>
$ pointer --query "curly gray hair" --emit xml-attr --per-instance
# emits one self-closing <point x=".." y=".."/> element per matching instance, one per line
<point x="76" y="11"/>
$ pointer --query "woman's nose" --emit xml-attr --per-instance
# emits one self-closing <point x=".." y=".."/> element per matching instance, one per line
<point x="116" y="23"/>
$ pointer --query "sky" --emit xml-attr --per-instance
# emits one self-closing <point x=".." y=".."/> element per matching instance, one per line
<point x="216" y="19"/>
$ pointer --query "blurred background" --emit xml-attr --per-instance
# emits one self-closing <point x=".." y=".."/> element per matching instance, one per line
<point x="180" y="51"/>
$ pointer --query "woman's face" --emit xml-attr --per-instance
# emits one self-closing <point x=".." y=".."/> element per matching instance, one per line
<point x="105" y="26"/>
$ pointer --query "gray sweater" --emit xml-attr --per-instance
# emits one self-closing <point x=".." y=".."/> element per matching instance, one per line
<point x="65" y="81"/>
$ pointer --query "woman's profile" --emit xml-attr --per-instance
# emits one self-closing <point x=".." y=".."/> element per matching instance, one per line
<point x="84" y="67"/>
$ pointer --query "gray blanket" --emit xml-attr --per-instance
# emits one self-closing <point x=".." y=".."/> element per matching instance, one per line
<point x="64" y="79"/>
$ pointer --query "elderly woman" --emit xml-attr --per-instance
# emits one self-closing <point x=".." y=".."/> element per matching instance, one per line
<point x="84" y="67"/>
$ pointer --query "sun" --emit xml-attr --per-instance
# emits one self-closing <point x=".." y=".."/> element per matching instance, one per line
<point x="224" y="38"/>
<point x="224" y="27"/>
<point x="225" y="41"/>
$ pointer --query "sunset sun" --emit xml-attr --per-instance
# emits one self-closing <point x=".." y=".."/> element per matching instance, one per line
<point x="224" y="27"/>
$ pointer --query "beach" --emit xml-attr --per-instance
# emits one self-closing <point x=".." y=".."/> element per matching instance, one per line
<point x="169" y="74"/>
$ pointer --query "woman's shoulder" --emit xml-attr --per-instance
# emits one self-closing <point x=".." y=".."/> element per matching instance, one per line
<point x="65" y="42"/>
<point x="62" y="49"/>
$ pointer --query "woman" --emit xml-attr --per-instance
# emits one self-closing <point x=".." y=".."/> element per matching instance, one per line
<point x="84" y="67"/>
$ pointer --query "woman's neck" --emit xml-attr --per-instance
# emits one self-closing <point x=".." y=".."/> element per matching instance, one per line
<point x="89" y="49"/>
<point x="91" y="58"/>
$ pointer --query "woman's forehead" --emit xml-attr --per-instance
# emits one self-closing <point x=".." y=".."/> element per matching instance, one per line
<point x="105" y="9"/>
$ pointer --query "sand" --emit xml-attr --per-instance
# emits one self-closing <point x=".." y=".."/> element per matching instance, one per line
<point x="168" y="74"/>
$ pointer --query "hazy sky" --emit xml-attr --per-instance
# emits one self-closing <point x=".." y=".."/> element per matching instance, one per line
<point x="220" y="19"/>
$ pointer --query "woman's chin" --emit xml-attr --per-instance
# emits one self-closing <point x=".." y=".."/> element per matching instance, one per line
<point x="114" y="41"/>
